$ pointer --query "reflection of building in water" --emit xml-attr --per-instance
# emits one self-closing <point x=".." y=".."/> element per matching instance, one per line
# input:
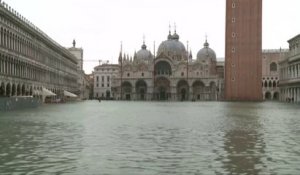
<point x="170" y="75"/>
<point x="270" y="72"/>
<point x="290" y="73"/>
<point x="242" y="151"/>
<point x="243" y="142"/>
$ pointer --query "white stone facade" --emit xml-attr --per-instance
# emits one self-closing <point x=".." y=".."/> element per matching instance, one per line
<point x="103" y="77"/>
<point x="270" y="72"/>
<point x="290" y="73"/>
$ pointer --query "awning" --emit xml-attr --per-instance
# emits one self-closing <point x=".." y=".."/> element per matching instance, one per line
<point x="69" y="94"/>
<point x="46" y="92"/>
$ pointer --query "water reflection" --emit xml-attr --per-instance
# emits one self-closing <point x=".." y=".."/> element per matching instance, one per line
<point x="151" y="138"/>
<point x="243" y="140"/>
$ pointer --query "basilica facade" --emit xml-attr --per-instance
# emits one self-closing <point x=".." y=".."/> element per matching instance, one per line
<point x="171" y="75"/>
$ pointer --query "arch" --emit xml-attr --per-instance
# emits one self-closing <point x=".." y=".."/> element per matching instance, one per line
<point x="182" y="90"/>
<point x="141" y="89"/>
<point x="266" y="84"/>
<point x="268" y="96"/>
<point x="19" y="90"/>
<point x="8" y="90"/>
<point x="162" y="68"/>
<point x="162" y="88"/>
<point x="107" y="95"/>
<point x="13" y="90"/>
<point x="198" y="90"/>
<point x="31" y="91"/>
<point x="273" y="67"/>
<point x="274" y="84"/>
<point x="127" y="89"/>
<point x="270" y="84"/>
<point x="2" y="89"/>
<point x="23" y="90"/>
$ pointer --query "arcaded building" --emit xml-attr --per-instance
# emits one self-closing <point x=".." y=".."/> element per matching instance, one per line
<point x="30" y="61"/>
<point x="243" y="46"/>
<point x="172" y="74"/>
<point x="270" y="72"/>
<point x="290" y="73"/>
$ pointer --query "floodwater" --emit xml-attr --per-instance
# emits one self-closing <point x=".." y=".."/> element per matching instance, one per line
<point x="151" y="138"/>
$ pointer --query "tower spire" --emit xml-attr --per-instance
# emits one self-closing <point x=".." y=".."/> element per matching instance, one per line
<point x="174" y="27"/>
<point x="206" y="43"/>
<point x="74" y="43"/>
<point x="169" y="36"/>
<point x="120" y="55"/>
<point x="144" y="45"/>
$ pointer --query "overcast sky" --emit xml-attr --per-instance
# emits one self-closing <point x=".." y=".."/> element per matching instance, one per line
<point x="99" y="26"/>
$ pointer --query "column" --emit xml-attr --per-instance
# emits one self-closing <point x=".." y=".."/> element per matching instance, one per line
<point x="298" y="94"/>
<point x="295" y="95"/>
<point x="191" y="93"/>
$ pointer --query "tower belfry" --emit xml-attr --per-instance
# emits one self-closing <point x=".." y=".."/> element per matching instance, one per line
<point x="243" y="50"/>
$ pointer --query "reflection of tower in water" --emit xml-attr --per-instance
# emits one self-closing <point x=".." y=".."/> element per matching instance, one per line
<point x="243" y="142"/>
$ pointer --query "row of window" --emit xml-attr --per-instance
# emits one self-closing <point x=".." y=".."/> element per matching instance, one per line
<point x="102" y="85"/>
<point x="102" y="78"/>
<point x="108" y="70"/>
<point x="270" y="84"/>
<point x="15" y="68"/>
<point x="15" y="39"/>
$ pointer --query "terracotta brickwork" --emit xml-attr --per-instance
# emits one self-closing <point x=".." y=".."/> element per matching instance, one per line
<point x="243" y="55"/>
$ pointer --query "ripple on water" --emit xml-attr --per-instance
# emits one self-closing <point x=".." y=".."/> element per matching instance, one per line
<point x="151" y="138"/>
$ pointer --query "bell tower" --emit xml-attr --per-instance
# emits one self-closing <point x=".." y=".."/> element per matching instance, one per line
<point x="243" y="50"/>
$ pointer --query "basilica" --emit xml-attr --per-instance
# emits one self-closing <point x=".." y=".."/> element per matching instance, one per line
<point x="171" y="75"/>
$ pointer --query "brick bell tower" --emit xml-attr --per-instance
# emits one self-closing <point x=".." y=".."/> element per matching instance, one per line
<point x="243" y="50"/>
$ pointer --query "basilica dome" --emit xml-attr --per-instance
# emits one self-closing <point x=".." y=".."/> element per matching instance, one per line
<point x="206" y="53"/>
<point x="144" y="54"/>
<point x="173" y="48"/>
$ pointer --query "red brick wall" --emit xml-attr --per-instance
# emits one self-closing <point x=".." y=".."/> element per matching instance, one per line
<point x="243" y="67"/>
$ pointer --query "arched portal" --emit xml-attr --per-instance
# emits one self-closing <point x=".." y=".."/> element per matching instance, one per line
<point x="8" y="90"/>
<point x="107" y="95"/>
<point x="198" y="90"/>
<point x="13" y="90"/>
<point x="30" y="91"/>
<point x="127" y="90"/>
<point x="268" y="96"/>
<point x="182" y="90"/>
<point x="163" y="68"/>
<point x="141" y="89"/>
<point x="162" y="89"/>
<point x="18" y="90"/>
<point x="23" y="92"/>
<point x="2" y="89"/>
